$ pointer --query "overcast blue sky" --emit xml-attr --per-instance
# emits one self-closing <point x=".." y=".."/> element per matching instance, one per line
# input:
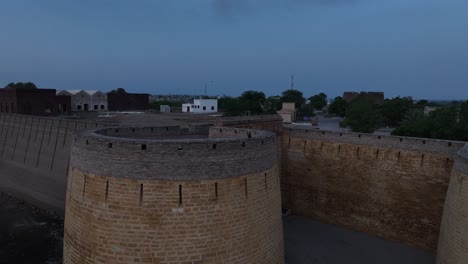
<point x="402" y="47"/>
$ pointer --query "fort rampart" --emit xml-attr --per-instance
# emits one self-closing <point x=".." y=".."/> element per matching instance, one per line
<point x="173" y="198"/>
<point x="393" y="187"/>
<point x="453" y="240"/>
<point x="263" y="122"/>
<point x="34" y="154"/>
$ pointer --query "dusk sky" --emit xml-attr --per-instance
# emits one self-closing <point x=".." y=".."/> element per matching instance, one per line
<point x="402" y="47"/>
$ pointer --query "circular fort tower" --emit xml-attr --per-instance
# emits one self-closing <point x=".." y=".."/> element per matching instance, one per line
<point x="453" y="239"/>
<point x="170" y="195"/>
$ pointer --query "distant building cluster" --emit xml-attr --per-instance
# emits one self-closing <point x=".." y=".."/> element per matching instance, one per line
<point x="34" y="101"/>
<point x="86" y="100"/>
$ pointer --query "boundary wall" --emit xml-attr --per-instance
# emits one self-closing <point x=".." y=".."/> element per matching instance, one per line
<point x="393" y="187"/>
<point x="453" y="240"/>
<point x="261" y="122"/>
<point x="34" y="156"/>
<point x="174" y="200"/>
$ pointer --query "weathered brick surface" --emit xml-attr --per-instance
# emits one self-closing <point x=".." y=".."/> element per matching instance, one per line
<point x="453" y="240"/>
<point x="234" y="227"/>
<point x="264" y="122"/>
<point x="147" y="217"/>
<point x="379" y="185"/>
<point x="34" y="155"/>
<point x="215" y="157"/>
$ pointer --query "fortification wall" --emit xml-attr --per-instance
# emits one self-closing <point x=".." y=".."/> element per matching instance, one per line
<point x="207" y="157"/>
<point x="141" y="132"/>
<point x="388" y="186"/>
<point x="34" y="155"/>
<point x="262" y="122"/>
<point x="453" y="247"/>
<point x="175" y="200"/>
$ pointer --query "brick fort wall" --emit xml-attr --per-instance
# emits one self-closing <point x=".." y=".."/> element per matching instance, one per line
<point x="34" y="156"/>
<point x="174" y="200"/>
<point x="453" y="243"/>
<point x="387" y="186"/>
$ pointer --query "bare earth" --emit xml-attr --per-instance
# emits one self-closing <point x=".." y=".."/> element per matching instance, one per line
<point x="30" y="235"/>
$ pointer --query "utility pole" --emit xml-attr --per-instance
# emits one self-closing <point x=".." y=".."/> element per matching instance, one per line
<point x="292" y="82"/>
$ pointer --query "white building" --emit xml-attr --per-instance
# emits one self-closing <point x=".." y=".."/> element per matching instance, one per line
<point x="201" y="106"/>
<point x="86" y="100"/>
<point x="164" y="109"/>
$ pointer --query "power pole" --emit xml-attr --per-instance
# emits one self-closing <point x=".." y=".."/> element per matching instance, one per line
<point x="292" y="82"/>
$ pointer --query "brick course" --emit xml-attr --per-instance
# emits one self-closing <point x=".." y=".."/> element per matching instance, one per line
<point x="375" y="184"/>
<point x="453" y="243"/>
<point x="190" y="218"/>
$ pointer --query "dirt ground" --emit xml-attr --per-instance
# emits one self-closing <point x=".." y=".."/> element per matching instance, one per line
<point x="29" y="235"/>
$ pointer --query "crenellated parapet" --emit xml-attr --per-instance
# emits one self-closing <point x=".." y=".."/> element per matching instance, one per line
<point x="389" y="186"/>
<point x="224" y="153"/>
<point x="170" y="195"/>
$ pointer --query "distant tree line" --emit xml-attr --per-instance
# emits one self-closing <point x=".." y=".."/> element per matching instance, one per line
<point x="118" y="91"/>
<point x="256" y="103"/>
<point x="448" y="121"/>
<point x="21" y="85"/>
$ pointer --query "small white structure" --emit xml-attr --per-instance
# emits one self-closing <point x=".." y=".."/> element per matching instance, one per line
<point x="164" y="109"/>
<point x="288" y="112"/>
<point x="201" y="106"/>
<point x="86" y="100"/>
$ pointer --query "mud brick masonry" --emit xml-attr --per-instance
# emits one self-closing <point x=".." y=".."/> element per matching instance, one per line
<point x="164" y="195"/>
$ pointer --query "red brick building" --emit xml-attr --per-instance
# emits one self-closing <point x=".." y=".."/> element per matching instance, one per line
<point x="127" y="101"/>
<point x="41" y="102"/>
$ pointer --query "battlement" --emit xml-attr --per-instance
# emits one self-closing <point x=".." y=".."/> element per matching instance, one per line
<point x="223" y="153"/>
<point x="395" y="142"/>
<point x="171" y="194"/>
<point x="267" y="122"/>
<point x="140" y="132"/>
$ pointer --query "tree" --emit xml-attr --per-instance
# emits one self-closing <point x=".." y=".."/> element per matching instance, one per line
<point x="461" y="132"/>
<point x="394" y="110"/>
<point x="449" y="122"/>
<point x="272" y="105"/>
<point x="252" y="95"/>
<point x="293" y="96"/>
<point x="362" y="116"/>
<point x="21" y="85"/>
<point x="413" y="124"/>
<point x="422" y="102"/>
<point x="442" y="123"/>
<point x="338" y="106"/>
<point x="252" y="101"/>
<point x="118" y="91"/>
<point x="230" y="106"/>
<point x="318" y="101"/>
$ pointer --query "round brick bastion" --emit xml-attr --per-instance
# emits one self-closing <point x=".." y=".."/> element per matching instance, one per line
<point x="173" y="195"/>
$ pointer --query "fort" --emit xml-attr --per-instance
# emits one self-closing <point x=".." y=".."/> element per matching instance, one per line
<point x="224" y="198"/>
